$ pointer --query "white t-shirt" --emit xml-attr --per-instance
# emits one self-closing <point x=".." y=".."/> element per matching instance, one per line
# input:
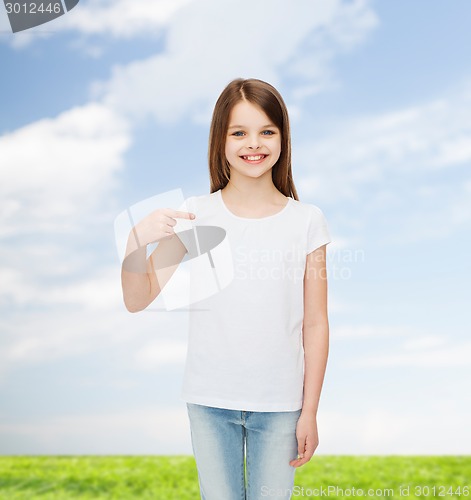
<point x="245" y="347"/>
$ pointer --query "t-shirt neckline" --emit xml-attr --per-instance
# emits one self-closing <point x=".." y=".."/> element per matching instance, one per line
<point x="219" y="194"/>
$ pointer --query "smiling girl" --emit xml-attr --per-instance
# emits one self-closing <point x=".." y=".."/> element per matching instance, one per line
<point x="257" y="349"/>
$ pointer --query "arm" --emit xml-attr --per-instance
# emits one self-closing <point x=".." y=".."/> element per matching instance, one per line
<point x="316" y="349"/>
<point x="143" y="279"/>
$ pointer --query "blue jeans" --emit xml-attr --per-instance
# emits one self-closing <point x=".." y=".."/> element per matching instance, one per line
<point x="219" y="438"/>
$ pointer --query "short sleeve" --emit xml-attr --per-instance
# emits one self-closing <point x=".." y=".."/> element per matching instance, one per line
<point x="318" y="232"/>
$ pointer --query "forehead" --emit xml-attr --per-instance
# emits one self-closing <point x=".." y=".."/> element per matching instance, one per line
<point x="246" y="113"/>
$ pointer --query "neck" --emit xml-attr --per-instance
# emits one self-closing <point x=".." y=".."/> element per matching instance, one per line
<point x="247" y="190"/>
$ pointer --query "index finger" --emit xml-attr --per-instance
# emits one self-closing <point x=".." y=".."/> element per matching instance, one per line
<point x="183" y="215"/>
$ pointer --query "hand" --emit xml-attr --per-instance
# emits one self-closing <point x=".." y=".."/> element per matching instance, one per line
<point x="156" y="226"/>
<point x="308" y="439"/>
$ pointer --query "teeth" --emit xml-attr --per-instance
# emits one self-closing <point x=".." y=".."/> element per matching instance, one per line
<point x="254" y="158"/>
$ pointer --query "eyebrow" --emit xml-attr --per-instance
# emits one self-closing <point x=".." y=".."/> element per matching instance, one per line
<point x="241" y="126"/>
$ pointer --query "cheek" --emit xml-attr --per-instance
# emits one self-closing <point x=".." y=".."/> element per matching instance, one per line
<point x="230" y="149"/>
<point x="277" y="147"/>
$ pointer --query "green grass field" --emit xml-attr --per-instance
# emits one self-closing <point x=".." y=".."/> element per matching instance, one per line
<point x="176" y="478"/>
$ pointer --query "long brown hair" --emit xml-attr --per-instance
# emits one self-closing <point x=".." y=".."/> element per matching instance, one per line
<point x="265" y="96"/>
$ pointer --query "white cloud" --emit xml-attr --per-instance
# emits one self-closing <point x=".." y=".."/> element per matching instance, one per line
<point x="57" y="274"/>
<point x="343" y="25"/>
<point x="407" y="168"/>
<point x="56" y="179"/>
<point x="64" y="331"/>
<point x="100" y="291"/>
<point x="357" y="331"/>
<point x="205" y="48"/>
<point x="143" y="431"/>
<point x="436" y="354"/>
<point x="42" y="337"/>
<point x="122" y="19"/>
<point x="365" y="151"/>
<point x="411" y="346"/>
<point x="378" y="432"/>
<point x="424" y="342"/>
<point x="54" y="172"/>
<point x="14" y="287"/>
<point x="156" y="354"/>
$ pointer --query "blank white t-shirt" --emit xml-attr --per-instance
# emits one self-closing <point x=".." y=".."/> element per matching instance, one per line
<point x="245" y="347"/>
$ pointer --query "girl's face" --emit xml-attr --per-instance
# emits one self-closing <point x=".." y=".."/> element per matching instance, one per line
<point x="253" y="143"/>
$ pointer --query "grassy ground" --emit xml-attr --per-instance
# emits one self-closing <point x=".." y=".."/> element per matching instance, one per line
<point x="176" y="478"/>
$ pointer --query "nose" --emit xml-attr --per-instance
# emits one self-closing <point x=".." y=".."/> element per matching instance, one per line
<point x="254" y="142"/>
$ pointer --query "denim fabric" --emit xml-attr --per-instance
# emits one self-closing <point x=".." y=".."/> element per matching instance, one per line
<point x="243" y="455"/>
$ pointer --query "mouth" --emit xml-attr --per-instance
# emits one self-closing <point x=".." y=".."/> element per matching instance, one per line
<point x="253" y="159"/>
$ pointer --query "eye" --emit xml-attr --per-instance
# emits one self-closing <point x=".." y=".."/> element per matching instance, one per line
<point x="268" y="132"/>
<point x="237" y="133"/>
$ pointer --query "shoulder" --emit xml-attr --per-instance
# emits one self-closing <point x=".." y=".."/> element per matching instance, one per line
<point x="199" y="201"/>
<point x="310" y="210"/>
<point x="203" y="198"/>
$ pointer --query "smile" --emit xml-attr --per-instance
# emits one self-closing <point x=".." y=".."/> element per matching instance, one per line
<point x="254" y="158"/>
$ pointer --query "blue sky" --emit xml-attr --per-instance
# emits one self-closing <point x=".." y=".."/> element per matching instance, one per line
<point x="110" y="104"/>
